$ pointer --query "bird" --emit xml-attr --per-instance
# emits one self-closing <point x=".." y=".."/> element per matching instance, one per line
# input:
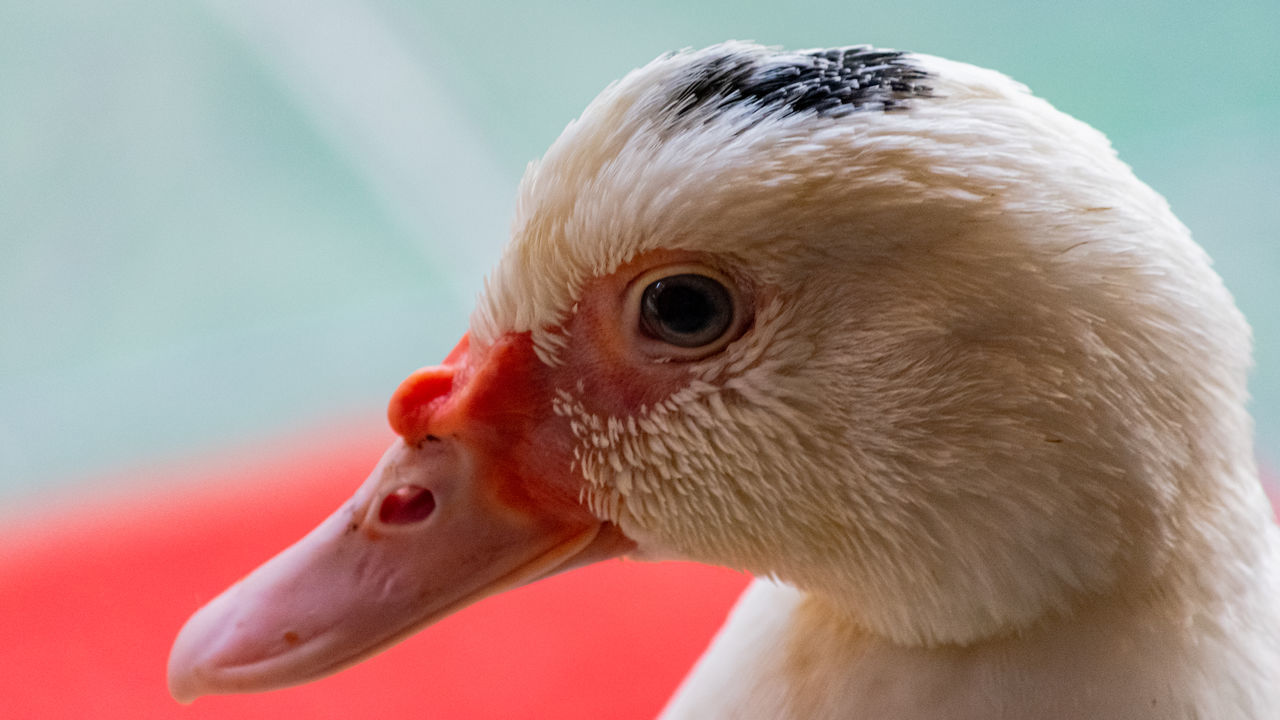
<point x="910" y="346"/>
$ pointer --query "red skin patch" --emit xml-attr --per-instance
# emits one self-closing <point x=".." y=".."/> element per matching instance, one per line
<point x="616" y="379"/>
<point x="497" y="401"/>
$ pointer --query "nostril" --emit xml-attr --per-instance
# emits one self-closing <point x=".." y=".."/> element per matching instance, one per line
<point x="406" y="504"/>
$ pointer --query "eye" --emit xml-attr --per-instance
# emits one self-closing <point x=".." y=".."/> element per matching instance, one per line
<point x="687" y="310"/>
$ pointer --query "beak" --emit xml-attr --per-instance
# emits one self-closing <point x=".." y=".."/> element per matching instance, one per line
<point x="476" y="498"/>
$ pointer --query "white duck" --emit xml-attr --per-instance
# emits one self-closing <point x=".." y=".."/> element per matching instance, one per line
<point x="880" y="326"/>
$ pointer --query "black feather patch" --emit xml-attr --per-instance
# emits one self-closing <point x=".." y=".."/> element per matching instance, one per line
<point x="824" y="82"/>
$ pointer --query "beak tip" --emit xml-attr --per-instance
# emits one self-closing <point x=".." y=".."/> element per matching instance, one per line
<point x="184" y="682"/>
<point x="184" y="678"/>
<point x="194" y="667"/>
<point x="181" y="691"/>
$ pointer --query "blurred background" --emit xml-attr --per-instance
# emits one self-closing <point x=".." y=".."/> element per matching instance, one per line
<point x="229" y="228"/>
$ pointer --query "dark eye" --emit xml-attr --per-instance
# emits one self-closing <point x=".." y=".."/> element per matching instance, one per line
<point x="686" y="310"/>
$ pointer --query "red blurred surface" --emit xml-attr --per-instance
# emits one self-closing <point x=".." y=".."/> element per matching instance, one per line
<point x="93" y="591"/>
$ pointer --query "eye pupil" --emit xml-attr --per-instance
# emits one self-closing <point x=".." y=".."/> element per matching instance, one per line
<point x="686" y="310"/>
<point x="682" y="309"/>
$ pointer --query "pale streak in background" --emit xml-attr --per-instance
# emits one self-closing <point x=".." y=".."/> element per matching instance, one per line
<point x="367" y="91"/>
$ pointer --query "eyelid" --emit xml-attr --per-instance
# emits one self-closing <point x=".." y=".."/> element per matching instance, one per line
<point x="661" y="351"/>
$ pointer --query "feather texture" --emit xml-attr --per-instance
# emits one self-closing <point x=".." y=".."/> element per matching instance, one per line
<point x="988" y="419"/>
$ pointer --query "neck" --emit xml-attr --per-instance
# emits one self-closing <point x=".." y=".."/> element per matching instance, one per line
<point x="787" y="654"/>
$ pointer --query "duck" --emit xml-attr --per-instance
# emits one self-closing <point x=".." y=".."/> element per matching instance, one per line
<point x="910" y="346"/>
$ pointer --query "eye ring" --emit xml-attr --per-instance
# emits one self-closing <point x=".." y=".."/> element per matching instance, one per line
<point x="684" y="312"/>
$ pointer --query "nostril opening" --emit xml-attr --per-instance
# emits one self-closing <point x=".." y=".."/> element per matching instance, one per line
<point x="406" y="504"/>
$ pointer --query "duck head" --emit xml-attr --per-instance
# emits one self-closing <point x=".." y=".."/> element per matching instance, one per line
<point x="880" y="325"/>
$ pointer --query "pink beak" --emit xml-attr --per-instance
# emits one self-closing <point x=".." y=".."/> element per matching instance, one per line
<point x="461" y="508"/>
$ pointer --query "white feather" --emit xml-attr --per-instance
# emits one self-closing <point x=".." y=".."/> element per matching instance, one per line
<point x="989" y="418"/>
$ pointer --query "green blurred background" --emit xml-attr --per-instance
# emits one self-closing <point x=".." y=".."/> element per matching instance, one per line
<point x="225" y="221"/>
